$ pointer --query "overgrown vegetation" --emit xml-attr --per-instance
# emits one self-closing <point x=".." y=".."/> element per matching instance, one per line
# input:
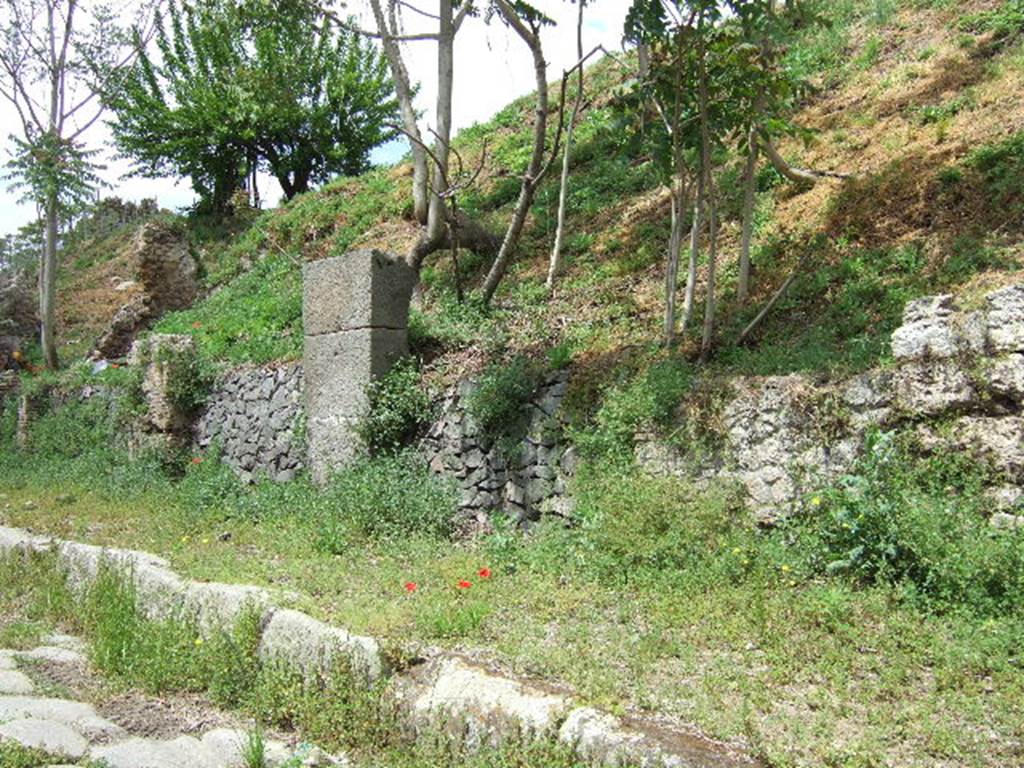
<point x="497" y="400"/>
<point x="336" y="708"/>
<point x="895" y="557"/>
<point x="399" y="408"/>
<point x="844" y="637"/>
<point x="896" y="522"/>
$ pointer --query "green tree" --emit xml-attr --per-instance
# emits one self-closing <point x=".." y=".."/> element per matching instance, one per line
<point x="712" y="72"/>
<point x="57" y="57"/>
<point x="238" y="87"/>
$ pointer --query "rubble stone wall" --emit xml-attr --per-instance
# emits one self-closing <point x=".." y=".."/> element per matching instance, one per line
<point x="256" y="418"/>
<point x="785" y="435"/>
<point x="525" y="478"/>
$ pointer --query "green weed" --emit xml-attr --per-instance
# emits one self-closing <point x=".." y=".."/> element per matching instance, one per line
<point x="386" y="497"/>
<point x="919" y="525"/>
<point x="400" y="407"/>
<point x="496" y="403"/>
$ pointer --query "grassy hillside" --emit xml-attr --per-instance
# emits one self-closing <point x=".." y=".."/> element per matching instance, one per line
<point x="921" y="102"/>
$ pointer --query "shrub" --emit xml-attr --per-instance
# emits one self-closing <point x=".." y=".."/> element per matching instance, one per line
<point x="168" y="654"/>
<point x="399" y="408"/>
<point x="391" y="496"/>
<point x="649" y="400"/>
<point x="336" y="709"/>
<point x="498" y="399"/>
<point x="919" y="524"/>
<point x="190" y="376"/>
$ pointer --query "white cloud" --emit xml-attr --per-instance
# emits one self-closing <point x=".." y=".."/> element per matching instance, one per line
<point x="492" y="67"/>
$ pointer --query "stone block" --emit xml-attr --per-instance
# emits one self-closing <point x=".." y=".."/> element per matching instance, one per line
<point x="220" y="606"/>
<point x="361" y="289"/>
<point x="332" y="443"/>
<point x="1005" y="376"/>
<point x="478" y="705"/>
<point x="999" y="440"/>
<point x="340" y="365"/>
<point x="930" y="388"/>
<point x="1006" y="319"/>
<point x="80" y="717"/>
<point x="300" y="641"/>
<point x="51" y="736"/>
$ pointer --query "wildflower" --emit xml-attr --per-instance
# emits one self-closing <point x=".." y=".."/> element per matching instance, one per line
<point x="411" y="586"/>
<point x="206" y="541"/>
<point x="785" y="569"/>
<point x="737" y="551"/>
<point x="464" y="584"/>
<point x="197" y="325"/>
<point x="198" y="642"/>
<point x="816" y="501"/>
<point x="197" y="459"/>
<point x="485" y="573"/>
<point x="184" y="539"/>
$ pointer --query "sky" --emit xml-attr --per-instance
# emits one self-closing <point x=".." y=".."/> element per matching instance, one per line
<point x="492" y="67"/>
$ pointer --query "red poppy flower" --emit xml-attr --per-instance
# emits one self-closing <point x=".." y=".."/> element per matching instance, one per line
<point x="197" y="326"/>
<point x="464" y="584"/>
<point x="485" y="573"/>
<point x="411" y="586"/>
<point x="197" y="459"/>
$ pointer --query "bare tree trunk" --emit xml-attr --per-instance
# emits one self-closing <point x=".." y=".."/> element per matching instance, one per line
<point x="749" y="190"/>
<point x="404" y="92"/>
<point x="708" y="337"/>
<point x="675" y="246"/>
<point x="709" y="191"/>
<point x="753" y="324"/>
<point x="435" y="235"/>
<point x="437" y="213"/>
<point x="48" y="286"/>
<point x="555" y="265"/>
<point x="798" y="175"/>
<point x="536" y="170"/>
<point x="689" y="300"/>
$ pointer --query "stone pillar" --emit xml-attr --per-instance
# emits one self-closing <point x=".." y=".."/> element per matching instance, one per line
<point x="27" y="408"/>
<point x="355" y="312"/>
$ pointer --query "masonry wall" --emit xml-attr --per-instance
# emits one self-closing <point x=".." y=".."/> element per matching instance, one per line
<point x="256" y="418"/>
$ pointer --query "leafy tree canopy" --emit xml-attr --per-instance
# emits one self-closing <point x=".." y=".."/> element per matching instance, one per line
<point x="253" y="84"/>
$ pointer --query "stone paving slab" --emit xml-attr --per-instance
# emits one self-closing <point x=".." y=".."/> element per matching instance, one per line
<point x="221" y="748"/>
<point x="15" y="683"/>
<point x="79" y="716"/>
<point x="50" y="736"/>
<point x="53" y="654"/>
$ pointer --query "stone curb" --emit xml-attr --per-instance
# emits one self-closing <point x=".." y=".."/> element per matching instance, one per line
<point x="448" y="692"/>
